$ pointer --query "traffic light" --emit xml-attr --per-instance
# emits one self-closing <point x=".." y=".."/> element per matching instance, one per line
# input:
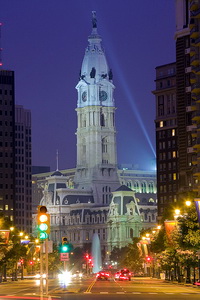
<point x="65" y="248"/>
<point x="43" y="223"/>
<point x="148" y="259"/>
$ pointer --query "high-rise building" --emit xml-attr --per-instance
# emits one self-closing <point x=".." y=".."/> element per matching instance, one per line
<point x="15" y="156"/>
<point x="166" y="135"/>
<point x="23" y="171"/>
<point x="7" y="144"/>
<point x="187" y="172"/>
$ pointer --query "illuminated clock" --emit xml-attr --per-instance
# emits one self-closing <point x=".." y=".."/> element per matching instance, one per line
<point x="84" y="96"/>
<point x="103" y="95"/>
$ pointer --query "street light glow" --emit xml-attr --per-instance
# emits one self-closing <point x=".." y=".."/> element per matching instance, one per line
<point x="177" y="211"/>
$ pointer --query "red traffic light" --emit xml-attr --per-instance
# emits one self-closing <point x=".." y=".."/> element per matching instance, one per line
<point x="148" y="258"/>
<point x="31" y="262"/>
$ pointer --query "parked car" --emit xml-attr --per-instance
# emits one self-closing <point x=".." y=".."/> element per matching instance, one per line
<point x="103" y="275"/>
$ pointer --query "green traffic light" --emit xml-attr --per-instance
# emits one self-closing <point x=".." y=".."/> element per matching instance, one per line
<point x="43" y="227"/>
<point x="43" y="235"/>
<point x="64" y="248"/>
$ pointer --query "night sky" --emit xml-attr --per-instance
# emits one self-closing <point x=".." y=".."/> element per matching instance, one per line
<point x="44" y="42"/>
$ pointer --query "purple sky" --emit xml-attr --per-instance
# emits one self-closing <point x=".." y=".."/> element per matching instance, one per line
<point x="44" y="42"/>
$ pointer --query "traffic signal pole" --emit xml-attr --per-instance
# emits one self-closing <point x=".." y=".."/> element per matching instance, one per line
<point x="46" y="261"/>
<point x="41" y="272"/>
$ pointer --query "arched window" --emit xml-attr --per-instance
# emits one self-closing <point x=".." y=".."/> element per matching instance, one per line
<point x="104" y="145"/>
<point x="136" y="186"/>
<point x="129" y="184"/>
<point x="131" y="232"/>
<point x="151" y="187"/>
<point x="144" y="187"/>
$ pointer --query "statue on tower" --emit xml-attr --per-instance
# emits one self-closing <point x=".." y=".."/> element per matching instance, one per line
<point x="94" y="19"/>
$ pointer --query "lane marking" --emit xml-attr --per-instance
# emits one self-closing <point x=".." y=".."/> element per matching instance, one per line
<point x="103" y="292"/>
<point x="120" y="293"/>
<point x="136" y="293"/>
<point x="184" y="294"/>
<point x="90" y="286"/>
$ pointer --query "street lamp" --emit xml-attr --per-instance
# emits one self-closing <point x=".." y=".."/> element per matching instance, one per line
<point x="197" y="204"/>
<point x="188" y="203"/>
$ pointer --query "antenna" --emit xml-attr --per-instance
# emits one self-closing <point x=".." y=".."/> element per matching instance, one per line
<point x="0" y="46"/>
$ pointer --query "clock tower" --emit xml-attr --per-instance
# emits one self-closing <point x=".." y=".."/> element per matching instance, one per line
<point x="96" y="168"/>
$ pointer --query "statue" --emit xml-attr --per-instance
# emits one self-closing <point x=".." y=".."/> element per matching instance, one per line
<point x="110" y="74"/>
<point x="94" y="20"/>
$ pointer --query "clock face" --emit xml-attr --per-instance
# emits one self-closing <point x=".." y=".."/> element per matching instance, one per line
<point x="84" y="96"/>
<point x="103" y="95"/>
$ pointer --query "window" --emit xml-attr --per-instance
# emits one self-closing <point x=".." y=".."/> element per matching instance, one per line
<point x="173" y="132"/>
<point x="136" y="187"/>
<point x="144" y="187"/>
<point x="174" y="176"/>
<point x="161" y="123"/>
<point x="174" y="154"/>
<point x="6" y="207"/>
<point x="104" y="145"/>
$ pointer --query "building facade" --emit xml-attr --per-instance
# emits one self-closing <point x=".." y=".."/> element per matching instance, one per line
<point x="15" y="156"/>
<point x="7" y="144"/>
<point x="23" y="163"/>
<point x="187" y="93"/>
<point x="166" y="136"/>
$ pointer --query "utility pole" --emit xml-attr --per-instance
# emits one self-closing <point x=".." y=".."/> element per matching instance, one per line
<point x="41" y="271"/>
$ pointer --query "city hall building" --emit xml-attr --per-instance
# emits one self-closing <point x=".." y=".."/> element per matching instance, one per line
<point x="97" y="196"/>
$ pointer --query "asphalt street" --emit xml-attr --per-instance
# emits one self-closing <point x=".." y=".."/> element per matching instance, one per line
<point x="90" y="288"/>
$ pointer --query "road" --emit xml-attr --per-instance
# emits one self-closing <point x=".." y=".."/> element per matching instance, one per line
<point x="89" y="288"/>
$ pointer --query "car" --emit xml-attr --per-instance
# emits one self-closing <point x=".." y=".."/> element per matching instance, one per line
<point x="197" y="283"/>
<point x="123" y="274"/>
<point x="103" y="275"/>
<point x="38" y="276"/>
<point x="77" y="275"/>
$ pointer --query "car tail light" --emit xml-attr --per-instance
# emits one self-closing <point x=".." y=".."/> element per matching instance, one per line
<point x="129" y="273"/>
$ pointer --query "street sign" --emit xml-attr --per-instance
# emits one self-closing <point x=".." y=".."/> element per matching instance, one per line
<point x="24" y="242"/>
<point x="64" y="256"/>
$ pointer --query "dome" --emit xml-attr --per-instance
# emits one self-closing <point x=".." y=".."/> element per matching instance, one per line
<point x="94" y="60"/>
